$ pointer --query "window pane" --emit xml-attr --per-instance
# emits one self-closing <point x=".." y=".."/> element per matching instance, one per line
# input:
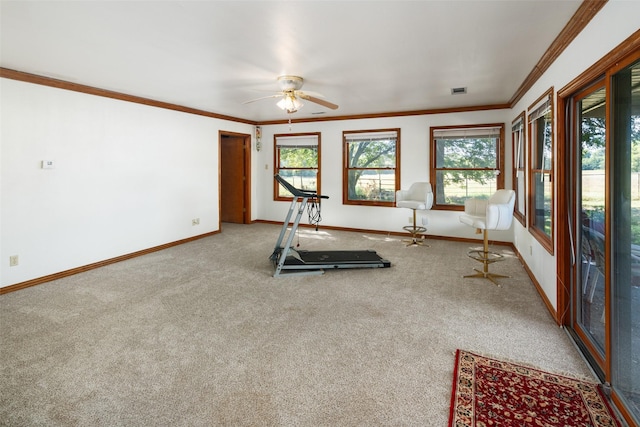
<point x="466" y="153"/>
<point x="305" y="179"/>
<point x="468" y="162"/>
<point x="521" y="191"/>
<point x="453" y="187"/>
<point x="297" y="160"/>
<point x="591" y="191"/>
<point x="376" y="184"/>
<point x="371" y="163"/>
<point x="520" y="150"/>
<point x="542" y="148"/>
<point x="372" y="154"/>
<point x="298" y="157"/>
<point x="542" y="202"/>
<point x="518" y="174"/>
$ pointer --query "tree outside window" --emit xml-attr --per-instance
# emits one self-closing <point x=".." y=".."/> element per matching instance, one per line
<point x="467" y="161"/>
<point x="371" y="169"/>
<point x="593" y="168"/>
<point x="297" y="160"/>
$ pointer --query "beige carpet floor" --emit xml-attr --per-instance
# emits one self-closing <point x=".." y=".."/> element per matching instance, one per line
<point x="202" y="335"/>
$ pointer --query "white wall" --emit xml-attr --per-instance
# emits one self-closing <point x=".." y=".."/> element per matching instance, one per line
<point x="127" y="177"/>
<point x="414" y="166"/>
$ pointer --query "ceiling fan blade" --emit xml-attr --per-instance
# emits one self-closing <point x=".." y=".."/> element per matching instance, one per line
<point x="309" y="92"/>
<point x="318" y="100"/>
<point x="263" y="97"/>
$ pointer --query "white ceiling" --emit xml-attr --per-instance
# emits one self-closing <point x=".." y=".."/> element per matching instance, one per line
<point x="366" y="56"/>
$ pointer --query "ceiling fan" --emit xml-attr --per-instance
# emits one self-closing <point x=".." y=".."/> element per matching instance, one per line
<point x="291" y="94"/>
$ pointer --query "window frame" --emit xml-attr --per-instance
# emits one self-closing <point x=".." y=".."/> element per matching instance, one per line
<point x="500" y="146"/>
<point x="534" y="145"/>
<point x="276" y="161"/>
<point x="346" y="168"/>
<point x="519" y="165"/>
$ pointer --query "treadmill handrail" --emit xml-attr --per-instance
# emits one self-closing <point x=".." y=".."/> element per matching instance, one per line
<point x="298" y="192"/>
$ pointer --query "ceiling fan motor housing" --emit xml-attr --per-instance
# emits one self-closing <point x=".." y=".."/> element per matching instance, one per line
<point x="290" y="83"/>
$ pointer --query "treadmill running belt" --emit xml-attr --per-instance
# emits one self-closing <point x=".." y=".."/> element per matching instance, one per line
<point x="324" y="257"/>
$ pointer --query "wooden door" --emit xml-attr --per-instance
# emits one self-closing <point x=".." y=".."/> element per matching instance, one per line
<point x="232" y="179"/>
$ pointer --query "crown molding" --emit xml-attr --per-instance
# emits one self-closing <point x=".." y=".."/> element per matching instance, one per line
<point x="585" y="13"/>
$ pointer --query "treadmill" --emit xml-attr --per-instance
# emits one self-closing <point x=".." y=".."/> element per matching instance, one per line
<point x="290" y="261"/>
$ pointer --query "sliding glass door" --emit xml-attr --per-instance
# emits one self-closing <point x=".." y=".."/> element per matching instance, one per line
<point x="604" y="210"/>
<point x="625" y="248"/>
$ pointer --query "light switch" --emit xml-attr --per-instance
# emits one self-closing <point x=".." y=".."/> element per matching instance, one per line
<point x="47" y="164"/>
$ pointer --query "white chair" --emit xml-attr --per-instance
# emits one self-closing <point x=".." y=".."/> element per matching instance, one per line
<point x="418" y="197"/>
<point x="496" y="213"/>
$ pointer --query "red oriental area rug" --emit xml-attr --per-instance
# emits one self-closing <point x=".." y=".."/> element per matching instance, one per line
<point x="488" y="392"/>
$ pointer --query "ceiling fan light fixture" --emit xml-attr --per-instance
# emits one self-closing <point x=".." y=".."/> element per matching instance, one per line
<point x="291" y="96"/>
<point x="290" y="103"/>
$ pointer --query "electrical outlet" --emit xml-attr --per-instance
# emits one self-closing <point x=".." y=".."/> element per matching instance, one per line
<point x="195" y="221"/>
<point x="13" y="260"/>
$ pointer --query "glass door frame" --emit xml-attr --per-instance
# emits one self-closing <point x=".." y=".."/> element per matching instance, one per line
<point x="600" y="362"/>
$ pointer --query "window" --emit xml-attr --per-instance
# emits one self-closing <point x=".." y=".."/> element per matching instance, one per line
<point x="541" y="170"/>
<point x="371" y="174"/>
<point x="297" y="160"/>
<point x="518" y="179"/>
<point x="467" y="161"/>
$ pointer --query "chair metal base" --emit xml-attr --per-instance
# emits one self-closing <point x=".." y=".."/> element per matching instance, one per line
<point x="415" y="232"/>
<point x="415" y="235"/>
<point x="486" y="275"/>
<point x="486" y="258"/>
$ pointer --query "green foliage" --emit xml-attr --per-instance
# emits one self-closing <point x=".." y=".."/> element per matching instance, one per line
<point x="592" y="132"/>
<point x="467" y="162"/>
<point x="593" y="159"/>
<point x="461" y="154"/>
<point x="593" y="143"/>
<point x="592" y="135"/>
<point x="298" y="157"/>
<point x="376" y="184"/>
<point x="299" y="166"/>
<point x="635" y="155"/>
<point x="373" y="154"/>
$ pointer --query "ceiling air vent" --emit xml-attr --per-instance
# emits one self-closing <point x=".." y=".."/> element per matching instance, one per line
<point x="458" y="90"/>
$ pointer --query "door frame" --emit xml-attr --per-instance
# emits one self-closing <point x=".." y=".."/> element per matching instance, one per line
<point x="246" y="214"/>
